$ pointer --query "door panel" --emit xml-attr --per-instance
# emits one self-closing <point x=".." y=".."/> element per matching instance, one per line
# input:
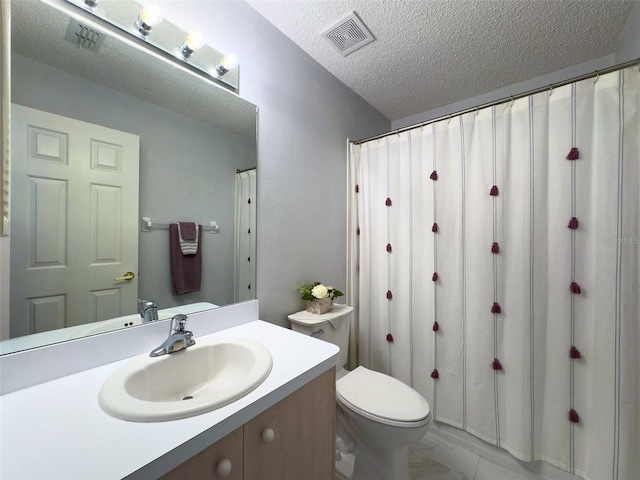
<point x="47" y="219"/>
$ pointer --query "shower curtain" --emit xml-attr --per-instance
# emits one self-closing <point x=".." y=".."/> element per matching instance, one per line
<point x="494" y="262"/>
<point x="245" y="246"/>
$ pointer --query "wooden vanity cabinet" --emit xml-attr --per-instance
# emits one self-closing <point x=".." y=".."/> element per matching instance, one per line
<point x="292" y="440"/>
<point x="226" y="452"/>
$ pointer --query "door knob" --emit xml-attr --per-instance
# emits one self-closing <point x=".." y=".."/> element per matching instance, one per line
<point x="127" y="276"/>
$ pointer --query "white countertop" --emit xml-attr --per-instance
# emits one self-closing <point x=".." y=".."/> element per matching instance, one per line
<point x="56" y="429"/>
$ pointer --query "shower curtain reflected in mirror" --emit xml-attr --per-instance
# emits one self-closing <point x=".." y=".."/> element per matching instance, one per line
<point x="495" y="267"/>
<point x="245" y="248"/>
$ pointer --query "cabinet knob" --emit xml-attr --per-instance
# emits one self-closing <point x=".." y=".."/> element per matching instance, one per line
<point x="268" y="435"/>
<point x="223" y="468"/>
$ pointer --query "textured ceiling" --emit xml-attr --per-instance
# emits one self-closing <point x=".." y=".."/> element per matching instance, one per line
<point x="430" y="53"/>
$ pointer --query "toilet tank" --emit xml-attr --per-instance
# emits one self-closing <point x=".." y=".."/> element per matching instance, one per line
<point x="332" y="327"/>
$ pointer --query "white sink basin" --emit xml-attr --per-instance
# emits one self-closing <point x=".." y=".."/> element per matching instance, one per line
<point x="125" y="321"/>
<point x="197" y="380"/>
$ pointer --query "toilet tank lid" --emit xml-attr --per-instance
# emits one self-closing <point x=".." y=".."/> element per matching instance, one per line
<point x="382" y="396"/>
<point x="308" y="318"/>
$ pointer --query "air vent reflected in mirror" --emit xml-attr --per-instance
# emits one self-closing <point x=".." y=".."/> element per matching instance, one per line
<point x="83" y="36"/>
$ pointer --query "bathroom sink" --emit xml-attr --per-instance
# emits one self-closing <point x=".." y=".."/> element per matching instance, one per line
<point x="186" y="383"/>
<point x="115" y="324"/>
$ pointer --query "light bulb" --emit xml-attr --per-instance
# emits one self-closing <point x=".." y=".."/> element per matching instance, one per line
<point x="227" y="63"/>
<point x="150" y="16"/>
<point x="193" y="42"/>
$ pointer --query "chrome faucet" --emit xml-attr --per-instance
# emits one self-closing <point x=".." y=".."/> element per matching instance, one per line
<point x="178" y="338"/>
<point x="148" y="310"/>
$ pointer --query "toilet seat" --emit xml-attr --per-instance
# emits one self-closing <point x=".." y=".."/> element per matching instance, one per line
<point x="382" y="398"/>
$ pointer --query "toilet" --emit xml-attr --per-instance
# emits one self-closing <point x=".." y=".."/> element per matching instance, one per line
<point x="378" y="416"/>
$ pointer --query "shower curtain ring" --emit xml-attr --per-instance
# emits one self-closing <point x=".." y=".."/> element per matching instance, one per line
<point x="595" y="80"/>
<point x="550" y="89"/>
<point x="513" y="100"/>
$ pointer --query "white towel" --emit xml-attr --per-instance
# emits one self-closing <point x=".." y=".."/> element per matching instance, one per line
<point x="188" y="247"/>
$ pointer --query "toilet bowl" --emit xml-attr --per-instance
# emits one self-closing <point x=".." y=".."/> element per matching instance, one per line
<point x="379" y="417"/>
<point x="384" y="417"/>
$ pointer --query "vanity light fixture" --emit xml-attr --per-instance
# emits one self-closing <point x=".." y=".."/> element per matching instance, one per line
<point x="193" y="42"/>
<point x="227" y="63"/>
<point x="150" y="16"/>
<point x="166" y="40"/>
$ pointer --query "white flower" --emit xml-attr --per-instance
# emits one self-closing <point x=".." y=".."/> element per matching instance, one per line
<point x="319" y="291"/>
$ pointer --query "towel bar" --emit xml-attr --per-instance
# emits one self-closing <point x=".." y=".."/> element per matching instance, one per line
<point x="146" y="225"/>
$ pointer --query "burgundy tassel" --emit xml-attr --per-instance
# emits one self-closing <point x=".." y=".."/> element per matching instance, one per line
<point x="249" y="201"/>
<point x="434" y="175"/>
<point x="573" y="154"/>
<point x="357" y="188"/>
<point x="436" y="327"/>
<point x="573" y="223"/>
<point x="494" y="191"/>
<point x="573" y="416"/>
<point x="435" y="277"/>
<point x="495" y="248"/>
<point x="248" y="259"/>
<point x="389" y="338"/>
<point x="574" y="353"/>
<point x="496" y="365"/>
<point x="434" y="374"/>
<point x="575" y="288"/>
<point x="358" y="231"/>
<point x="249" y="231"/>
<point x="388" y="202"/>
<point x="389" y="295"/>
<point x="389" y="247"/>
<point x="496" y="308"/>
<point x="434" y="229"/>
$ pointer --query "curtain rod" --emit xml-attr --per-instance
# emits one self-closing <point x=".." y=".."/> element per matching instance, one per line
<point x="238" y="170"/>
<point x="511" y="98"/>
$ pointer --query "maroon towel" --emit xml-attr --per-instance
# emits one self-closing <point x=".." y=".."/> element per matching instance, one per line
<point x="188" y="230"/>
<point x="186" y="270"/>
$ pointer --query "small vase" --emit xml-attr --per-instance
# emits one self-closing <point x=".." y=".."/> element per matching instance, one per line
<point x="319" y="306"/>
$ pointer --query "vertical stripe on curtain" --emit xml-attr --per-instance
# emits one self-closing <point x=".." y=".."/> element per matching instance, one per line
<point x="245" y="235"/>
<point x="495" y="267"/>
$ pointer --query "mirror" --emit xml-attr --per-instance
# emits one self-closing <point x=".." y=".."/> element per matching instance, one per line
<point x="197" y="158"/>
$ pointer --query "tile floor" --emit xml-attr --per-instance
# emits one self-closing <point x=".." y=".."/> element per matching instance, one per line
<point x="436" y="458"/>
<point x="423" y="467"/>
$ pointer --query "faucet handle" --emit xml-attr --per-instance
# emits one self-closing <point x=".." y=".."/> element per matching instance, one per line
<point x="148" y="310"/>
<point x="142" y="304"/>
<point x="178" y="323"/>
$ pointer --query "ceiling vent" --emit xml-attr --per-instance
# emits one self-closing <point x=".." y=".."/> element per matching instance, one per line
<point x="83" y="36"/>
<point x="348" y="35"/>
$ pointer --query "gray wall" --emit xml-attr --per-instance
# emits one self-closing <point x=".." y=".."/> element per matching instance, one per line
<point x="306" y="116"/>
<point x="187" y="172"/>
<point x="629" y="46"/>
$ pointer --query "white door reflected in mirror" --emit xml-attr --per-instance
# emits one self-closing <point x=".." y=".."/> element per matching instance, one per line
<point x="71" y="238"/>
